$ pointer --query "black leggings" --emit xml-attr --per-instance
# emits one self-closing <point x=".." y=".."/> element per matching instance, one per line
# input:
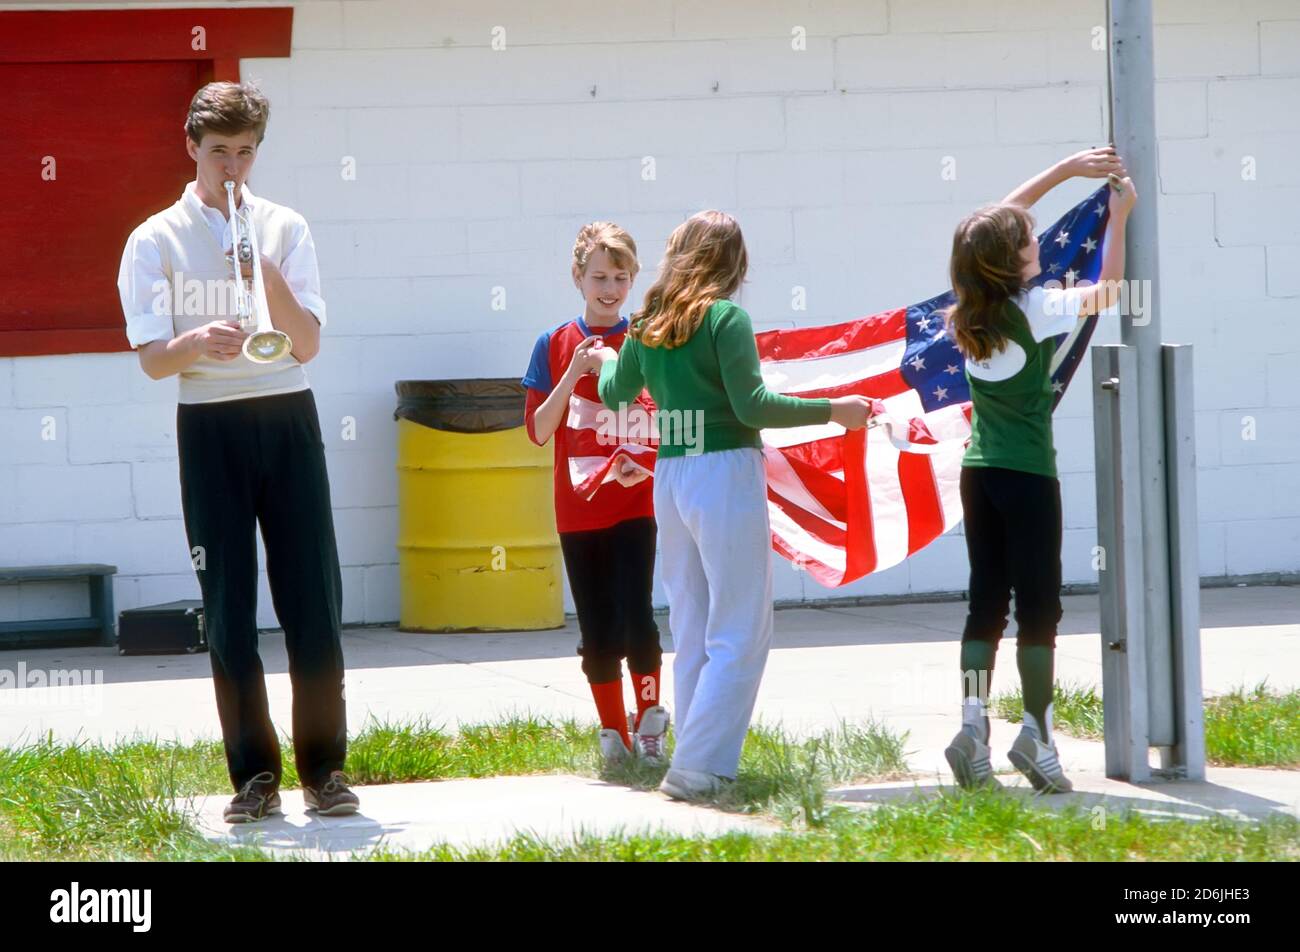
<point x="611" y="572"/>
<point x="1013" y="537"/>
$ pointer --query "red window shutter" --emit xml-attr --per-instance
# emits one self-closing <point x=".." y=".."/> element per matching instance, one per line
<point x="93" y="103"/>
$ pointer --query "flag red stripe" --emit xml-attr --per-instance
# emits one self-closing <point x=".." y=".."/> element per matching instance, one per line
<point x="924" y="511"/>
<point x="813" y="524"/>
<point x="860" y="550"/>
<point x="881" y="386"/>
<point x="805" y="342"/>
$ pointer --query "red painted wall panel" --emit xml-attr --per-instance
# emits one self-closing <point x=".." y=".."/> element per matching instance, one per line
<point x="93" y="105"/>
<point x="111" y="136"/>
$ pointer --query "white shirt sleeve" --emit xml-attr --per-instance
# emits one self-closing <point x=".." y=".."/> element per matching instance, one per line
<point x="300" y="270"/>
<point x="144" y="289"/>
<point x="1051" y="311"/>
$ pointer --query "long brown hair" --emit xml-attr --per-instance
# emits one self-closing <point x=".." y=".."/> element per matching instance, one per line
<point x="705" y="261"/>
<point x="986" y="270"/>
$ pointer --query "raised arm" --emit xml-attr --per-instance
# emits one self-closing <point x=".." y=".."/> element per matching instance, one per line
<point x="1106" y="291"/>
<point x="1090" y="163"/>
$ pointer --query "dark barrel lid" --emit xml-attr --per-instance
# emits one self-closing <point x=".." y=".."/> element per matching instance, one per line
<point x="462" y="406"/>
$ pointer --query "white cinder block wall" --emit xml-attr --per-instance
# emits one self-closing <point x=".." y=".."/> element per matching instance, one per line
<point x="475" y="166"/>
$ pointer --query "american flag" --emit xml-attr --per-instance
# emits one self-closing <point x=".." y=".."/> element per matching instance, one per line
<point x="843" y="505"/>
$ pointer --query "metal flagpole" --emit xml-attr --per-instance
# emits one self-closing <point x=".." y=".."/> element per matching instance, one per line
<point x="1161" y="636"/>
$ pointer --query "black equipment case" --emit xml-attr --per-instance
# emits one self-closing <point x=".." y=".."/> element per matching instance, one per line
<point x="162" y="629"/>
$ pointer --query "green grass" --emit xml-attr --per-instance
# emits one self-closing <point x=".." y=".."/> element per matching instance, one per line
<point x="81" y="801"/>
<point x="87" y="801"/>
<point x="1076" y="709"/>
<point x="787" y="779"/>
<point x="1255" y="728"/>
<point x="952" y="826"/>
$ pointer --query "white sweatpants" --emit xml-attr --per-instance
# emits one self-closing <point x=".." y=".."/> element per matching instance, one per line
<point x="714" y="542"/>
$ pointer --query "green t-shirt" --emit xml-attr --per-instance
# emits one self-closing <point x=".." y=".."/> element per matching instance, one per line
<point x="709" y="391"/>
<point x="1011" y="419"/>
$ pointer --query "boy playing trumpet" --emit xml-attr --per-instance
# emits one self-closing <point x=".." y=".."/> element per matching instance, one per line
<point x="250" y="450"/>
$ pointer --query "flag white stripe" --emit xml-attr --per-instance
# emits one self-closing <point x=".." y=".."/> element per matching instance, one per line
<point x="798" y="435"/>
<point x="888" y="507"/>
<point x="801" y="540"/>
<point x="631" y="423"/>
<point x="782" y="479"/>
<point x="947" y="478"/>
<point x="802" y="374"/>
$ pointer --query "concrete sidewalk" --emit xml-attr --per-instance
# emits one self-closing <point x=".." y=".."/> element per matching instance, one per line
<point x="464" y="813"/>
<point x="893" y="663"/>
<point x="1240" y="793"/>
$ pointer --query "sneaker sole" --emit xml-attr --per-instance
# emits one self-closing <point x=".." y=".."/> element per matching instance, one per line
<point x="687" y="793"/>
<point x="680" y="793"/>
<point x="964" y="773"/>
<point x="1039" y="780"/>
<point x="343" y="809"/>
<point x="238" y="818"/>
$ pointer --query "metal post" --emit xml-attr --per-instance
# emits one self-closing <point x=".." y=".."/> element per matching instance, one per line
<point x="1119" y="534"/>
<point x="1132" y="85"/>
<point x="1188" y="753"/>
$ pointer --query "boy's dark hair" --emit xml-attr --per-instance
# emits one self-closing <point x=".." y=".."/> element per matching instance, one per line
<point x="227" y="109"/>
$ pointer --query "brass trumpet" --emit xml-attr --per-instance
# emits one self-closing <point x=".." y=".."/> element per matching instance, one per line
<point x="264" y="343"/>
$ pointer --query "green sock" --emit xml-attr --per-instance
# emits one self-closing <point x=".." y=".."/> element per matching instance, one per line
<point x="976" y="673"/>
<point x="1035" y="664"/>
<point x="977" y="668"/>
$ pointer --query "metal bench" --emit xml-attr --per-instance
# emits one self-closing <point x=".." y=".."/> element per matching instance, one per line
<point x="94" y="629"/>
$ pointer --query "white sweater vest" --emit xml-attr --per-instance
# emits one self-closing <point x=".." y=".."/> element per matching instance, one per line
<point x="202" y="291"/>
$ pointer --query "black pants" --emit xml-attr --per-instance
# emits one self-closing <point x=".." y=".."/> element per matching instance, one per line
<point x="611" y="572"/>
<point x="261" y="460"/>
<point x="1013" y="537"/>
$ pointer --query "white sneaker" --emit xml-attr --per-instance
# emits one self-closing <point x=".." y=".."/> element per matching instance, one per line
<point x="612" y="747"/>
<point x="650" y="737"/>
<point x="681" y="784"/>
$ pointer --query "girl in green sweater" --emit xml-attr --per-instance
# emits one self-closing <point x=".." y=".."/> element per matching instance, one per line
<point x="1011" y="498"/>
<point x="694" y="350"/>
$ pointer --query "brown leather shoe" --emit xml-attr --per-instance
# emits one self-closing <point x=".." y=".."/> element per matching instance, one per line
<point x="256" y="800"/>
<point x="332" y="798"/>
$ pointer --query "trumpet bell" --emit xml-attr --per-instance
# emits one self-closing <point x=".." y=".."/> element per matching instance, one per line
<point x="266" y="347"/>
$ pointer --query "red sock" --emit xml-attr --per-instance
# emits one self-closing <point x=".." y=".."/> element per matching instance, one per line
<point x="609" y="706"/>
<point x="646" y="688"/>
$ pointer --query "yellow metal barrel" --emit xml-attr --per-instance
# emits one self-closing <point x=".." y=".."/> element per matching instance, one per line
<point x="477" y="546"/>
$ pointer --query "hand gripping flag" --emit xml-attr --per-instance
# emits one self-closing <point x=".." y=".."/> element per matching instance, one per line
<point x="845" y="504"/>
<point x="602" y="439"/>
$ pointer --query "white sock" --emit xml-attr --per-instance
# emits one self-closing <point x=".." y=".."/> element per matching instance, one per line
<point x="1041" y="732"/>
<point x="974" y="714"/>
